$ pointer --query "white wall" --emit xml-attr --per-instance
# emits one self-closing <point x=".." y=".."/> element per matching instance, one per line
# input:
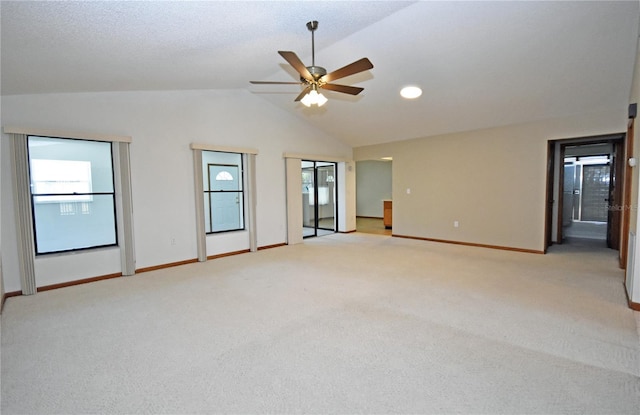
<point x="162" y="126"/>
<point x="373" y="181"/>
<point x="492" y="181"/>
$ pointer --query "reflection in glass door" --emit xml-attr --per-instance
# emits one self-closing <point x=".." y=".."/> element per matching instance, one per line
<point x="308" y="208"/>
<point x="318" y="198"/>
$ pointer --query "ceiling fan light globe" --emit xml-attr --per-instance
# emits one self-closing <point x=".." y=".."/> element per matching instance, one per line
<point x="313" y="97"/>
<point x="321" y="100"/>
<point x="307" y="100"/>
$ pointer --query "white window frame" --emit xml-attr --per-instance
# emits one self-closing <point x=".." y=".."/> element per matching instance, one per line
<point x="22" y="202"/>
<point x="73" y="199"/>
<point x="249" y="161"/>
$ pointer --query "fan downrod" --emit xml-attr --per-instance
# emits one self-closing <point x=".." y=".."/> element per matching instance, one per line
<point x="316" y="72"/>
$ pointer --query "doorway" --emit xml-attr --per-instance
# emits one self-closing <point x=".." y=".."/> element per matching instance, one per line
<point x="585" y="186"/>
<point x="319" y="201"/>
<point x="373" y="189"/>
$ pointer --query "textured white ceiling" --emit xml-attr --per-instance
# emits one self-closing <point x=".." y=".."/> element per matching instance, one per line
<point x="480" y="64"/>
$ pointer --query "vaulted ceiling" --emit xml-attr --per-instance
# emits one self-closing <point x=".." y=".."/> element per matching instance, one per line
<point x="480" y="64"/>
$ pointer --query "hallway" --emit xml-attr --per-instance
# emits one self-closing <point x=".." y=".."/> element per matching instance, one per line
<point x="371" y="225"/>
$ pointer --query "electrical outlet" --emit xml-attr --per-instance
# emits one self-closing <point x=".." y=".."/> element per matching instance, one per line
<point x="173" y="241"/>
<point x="456" y="223"/>
<point x="408" y="191"/>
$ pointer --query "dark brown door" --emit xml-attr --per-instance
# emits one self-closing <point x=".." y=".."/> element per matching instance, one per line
<point x="548" y="238"/>
<point x="561" y="197"/>
<point x="615" y="196"/>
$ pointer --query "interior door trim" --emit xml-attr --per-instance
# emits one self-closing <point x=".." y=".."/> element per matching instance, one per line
<point x="626" y="194"/>
<point x="563" y="143"/>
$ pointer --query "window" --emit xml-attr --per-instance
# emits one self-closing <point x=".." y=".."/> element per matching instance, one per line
<point x="223" y="191"/>
<point x="72" y="194"/>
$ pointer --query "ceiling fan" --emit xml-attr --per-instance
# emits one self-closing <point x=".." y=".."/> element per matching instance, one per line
<point x="316" y="77"/>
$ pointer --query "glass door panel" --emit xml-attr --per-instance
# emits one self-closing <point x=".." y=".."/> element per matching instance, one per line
<point x="595" y="193"/>
<point x="308" y="199"/>
<point x="325" y="173"/>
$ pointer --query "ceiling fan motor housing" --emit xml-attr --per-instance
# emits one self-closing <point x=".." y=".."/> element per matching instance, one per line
<point x="316" y="71"/>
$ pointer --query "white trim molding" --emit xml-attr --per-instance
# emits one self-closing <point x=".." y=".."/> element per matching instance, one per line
<point x="66" y="134"/>
<point x="223" y="149"/>
<point x="315" y="157"/>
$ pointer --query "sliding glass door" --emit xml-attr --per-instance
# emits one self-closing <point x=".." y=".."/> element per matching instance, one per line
<point x="318" y="198"/>
<point x="308" y="196"/>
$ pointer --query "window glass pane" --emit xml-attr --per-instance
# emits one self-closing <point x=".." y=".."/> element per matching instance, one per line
<point x="224" y="197"/>
<point x="56" y="160"/>
<point x="226" y="211"/>
<point x="72" y="194"/>
<point x="68" y="225"/>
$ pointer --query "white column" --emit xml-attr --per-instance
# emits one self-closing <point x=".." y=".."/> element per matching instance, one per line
<point x="293" y="169"/>
<point x="252" y="201"/>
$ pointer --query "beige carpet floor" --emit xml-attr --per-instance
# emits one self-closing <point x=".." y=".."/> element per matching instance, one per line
<point x="346" y="323"/>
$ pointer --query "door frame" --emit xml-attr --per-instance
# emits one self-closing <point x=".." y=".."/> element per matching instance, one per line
<point x="549" y="197"/>
<point x="345" y="190"/>
<point x="626" y="194"/>
<point x="316" y="205"/>
<point x="555" y="176"/>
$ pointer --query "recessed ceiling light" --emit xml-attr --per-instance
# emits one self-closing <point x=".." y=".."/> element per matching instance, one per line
<point x="410" y="92"/>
